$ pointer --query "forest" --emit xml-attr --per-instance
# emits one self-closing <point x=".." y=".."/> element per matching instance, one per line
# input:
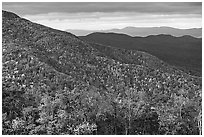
<point x="54" y="83"/>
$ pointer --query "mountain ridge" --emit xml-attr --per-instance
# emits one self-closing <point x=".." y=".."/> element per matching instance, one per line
<point x="54" y="83"/>
<point x="169" y="35"/>
<point x="177" y="51"/>
<point x="145" y="31"/>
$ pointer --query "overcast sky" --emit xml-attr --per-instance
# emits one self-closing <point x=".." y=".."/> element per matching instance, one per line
<point x="100" y="16"/>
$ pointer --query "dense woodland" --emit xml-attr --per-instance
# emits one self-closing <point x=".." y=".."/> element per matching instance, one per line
<point x="184" y="52"/>
<point x="54" y="83"/>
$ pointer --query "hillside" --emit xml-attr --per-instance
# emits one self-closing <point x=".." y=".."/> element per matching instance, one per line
<point x="145" y="31"/>
<point x="184" y="52"/>
<point x="54" y="83"/>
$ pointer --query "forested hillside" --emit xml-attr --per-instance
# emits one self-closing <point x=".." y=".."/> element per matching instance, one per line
<point x="184" y="52"/>
<point x="54" y="83"/>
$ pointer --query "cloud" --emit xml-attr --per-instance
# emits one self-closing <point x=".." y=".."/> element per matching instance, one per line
<point x="105" y="20"/>
<point x="71" y="7"/>
<point x="105" y="15"/>
<point x="110" y="15"/>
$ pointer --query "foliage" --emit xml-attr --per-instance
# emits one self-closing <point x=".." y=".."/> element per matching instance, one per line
<point x="54" y="83"/>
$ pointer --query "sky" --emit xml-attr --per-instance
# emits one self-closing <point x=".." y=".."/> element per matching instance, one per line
<point x="103" y="16"/>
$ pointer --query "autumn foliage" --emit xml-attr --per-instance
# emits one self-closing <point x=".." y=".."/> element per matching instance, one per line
<point x="54" y="83"/>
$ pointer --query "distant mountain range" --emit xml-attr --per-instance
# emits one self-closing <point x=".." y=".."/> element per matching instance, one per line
<point x="145" y="31"/>
<point x="184" y="52"/>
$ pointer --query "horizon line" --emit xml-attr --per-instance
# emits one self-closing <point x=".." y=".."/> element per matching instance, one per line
<point x="135" y="27"/>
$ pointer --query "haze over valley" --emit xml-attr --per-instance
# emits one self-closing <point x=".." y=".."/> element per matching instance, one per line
<point x="144" y="31"/>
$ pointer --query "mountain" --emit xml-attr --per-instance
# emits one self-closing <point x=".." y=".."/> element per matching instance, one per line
<point x="55" y="83"/>
<point x="184" y="52"/>
<point x="145" y="31"/>
<point x="78" y="32"/>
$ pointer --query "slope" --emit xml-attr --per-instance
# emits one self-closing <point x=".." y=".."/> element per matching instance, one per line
<point x="55" y="83"/>
<point x="184" y="52"/>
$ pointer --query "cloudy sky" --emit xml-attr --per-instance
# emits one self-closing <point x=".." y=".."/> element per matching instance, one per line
<point x="101" y="16"/>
